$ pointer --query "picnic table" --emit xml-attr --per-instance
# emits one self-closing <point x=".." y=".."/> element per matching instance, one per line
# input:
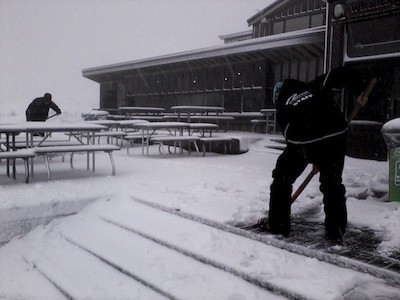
<point x="150" y="113"/>
<point x="127" y="124"/>
<point x="202" y="128"/>
<point x="31" y="128"/>
<point x="148" y="129"/>
<point x="270" y="119"/>
<point x="191" y="110"/>
<point x="45" y="129"/>
<point x="118" y="124"/>
<point x="108" y="123"/>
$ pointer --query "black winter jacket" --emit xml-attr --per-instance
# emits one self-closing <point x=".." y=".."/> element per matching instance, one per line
<point x="38" y="110"/>
<point x="308" y="113"/>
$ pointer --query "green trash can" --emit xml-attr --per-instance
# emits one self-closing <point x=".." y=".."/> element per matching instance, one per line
<point x="391" y="134"/>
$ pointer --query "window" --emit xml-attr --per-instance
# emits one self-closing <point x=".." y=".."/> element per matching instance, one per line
<point x="297" y="8"/>
<point x="290" y="10"/>
<point x="128" y="86"/>
<point x="194" y="78"/>
<point x="294" y="69"/>
<point x="171" y="82"/>
<point x="219" y="78"/>
<point x="210" y="79"/>
<point x="228" y="72"/>
<point x="257" y="30"/>
<point x="373" y="36"/>
<point x="303" y="70"/>
<point x="277" y="73"/>
<point x="278" y="27"/>
<point x="259" y="75"/>
<point x="248" y="75"/>
<point x="163" y="82"/>
<point x="201" y="80"/>
<point x="317" y="20"/>
<point x="186" y="81"/>
<point x="297" y="23"/>
<point x="303" y="6"/>
<point x="238" y="77"/>
<point x="285" y="70"/>
<point x="310" y="6"/>
<point x="142" y="85"/>
<point x="135" y="85"/>
<point x="312" y="71"/>
<point x="157" y="83"/>
<point x="179" y="81"/>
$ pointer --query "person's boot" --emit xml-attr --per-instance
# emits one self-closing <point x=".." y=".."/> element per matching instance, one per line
<point x="334" y="235"/>
<point x="264" y="225"/>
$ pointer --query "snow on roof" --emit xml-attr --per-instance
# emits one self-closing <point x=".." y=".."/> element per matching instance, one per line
<point x="236" y="34"/>
<point x="287" y="39"/>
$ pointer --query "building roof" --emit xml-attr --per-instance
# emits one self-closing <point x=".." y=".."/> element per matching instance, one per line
<point x="267" y="11"/>
<point x="279" y="47"/>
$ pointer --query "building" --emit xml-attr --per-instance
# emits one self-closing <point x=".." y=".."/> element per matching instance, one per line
<point x="237" y="75"/>
<point x="299" y="39"/>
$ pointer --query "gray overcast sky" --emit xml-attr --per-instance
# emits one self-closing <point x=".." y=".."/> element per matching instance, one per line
<point x="45" y="44"/>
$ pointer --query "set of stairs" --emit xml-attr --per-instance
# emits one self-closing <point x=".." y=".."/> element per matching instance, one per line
<point x="124" y="254"/>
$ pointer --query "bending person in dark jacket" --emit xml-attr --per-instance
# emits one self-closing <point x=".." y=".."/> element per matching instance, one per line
<point x="314" y="128"/>
<point x="38" y="110"/>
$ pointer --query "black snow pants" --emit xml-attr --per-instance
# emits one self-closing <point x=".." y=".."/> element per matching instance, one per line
<point x="328" y="155"/>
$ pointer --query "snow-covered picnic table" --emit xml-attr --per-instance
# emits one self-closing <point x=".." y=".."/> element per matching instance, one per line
<point x="270" y="119"/>
<point x="187" y="111"/>
<point x="148" y="129"/>
<point x="45" y="130"/>
<point x="145" y="112"/>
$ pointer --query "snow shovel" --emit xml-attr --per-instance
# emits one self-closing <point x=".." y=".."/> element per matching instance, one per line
<point x="52" y="116"/>
<point x="353" y="114"/>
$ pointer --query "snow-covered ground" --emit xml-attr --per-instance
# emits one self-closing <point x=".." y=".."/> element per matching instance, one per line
<point x="69" y="250"/>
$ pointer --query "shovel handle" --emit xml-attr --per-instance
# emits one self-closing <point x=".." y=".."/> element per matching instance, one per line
<point x="51" y="116"/>
<point x="305" y="183"/>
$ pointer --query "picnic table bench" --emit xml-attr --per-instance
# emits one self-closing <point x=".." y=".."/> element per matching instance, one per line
<point x="269" y="121"/>
<point x="173" y="140"/>
<point x="131" y="137"/>
<point x="210" y="140"/>
<point x="110" y="135"/>
<point x="46" y="151"/>
<point x="21" y="143"/>
<point x="24" y="154"/>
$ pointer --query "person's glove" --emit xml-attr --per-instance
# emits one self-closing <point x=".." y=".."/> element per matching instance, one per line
<point x="361" y="100"/>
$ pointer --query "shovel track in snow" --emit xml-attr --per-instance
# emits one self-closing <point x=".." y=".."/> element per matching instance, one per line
<point x="121" y="269"/>
<point x="211" y="262"/>
<point x="358" y="253"/>
<point x="43" y="272"/>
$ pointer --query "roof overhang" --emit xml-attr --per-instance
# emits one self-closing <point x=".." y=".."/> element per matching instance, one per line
<point x="236" y="34"/>
<point x="281" y="47"/>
